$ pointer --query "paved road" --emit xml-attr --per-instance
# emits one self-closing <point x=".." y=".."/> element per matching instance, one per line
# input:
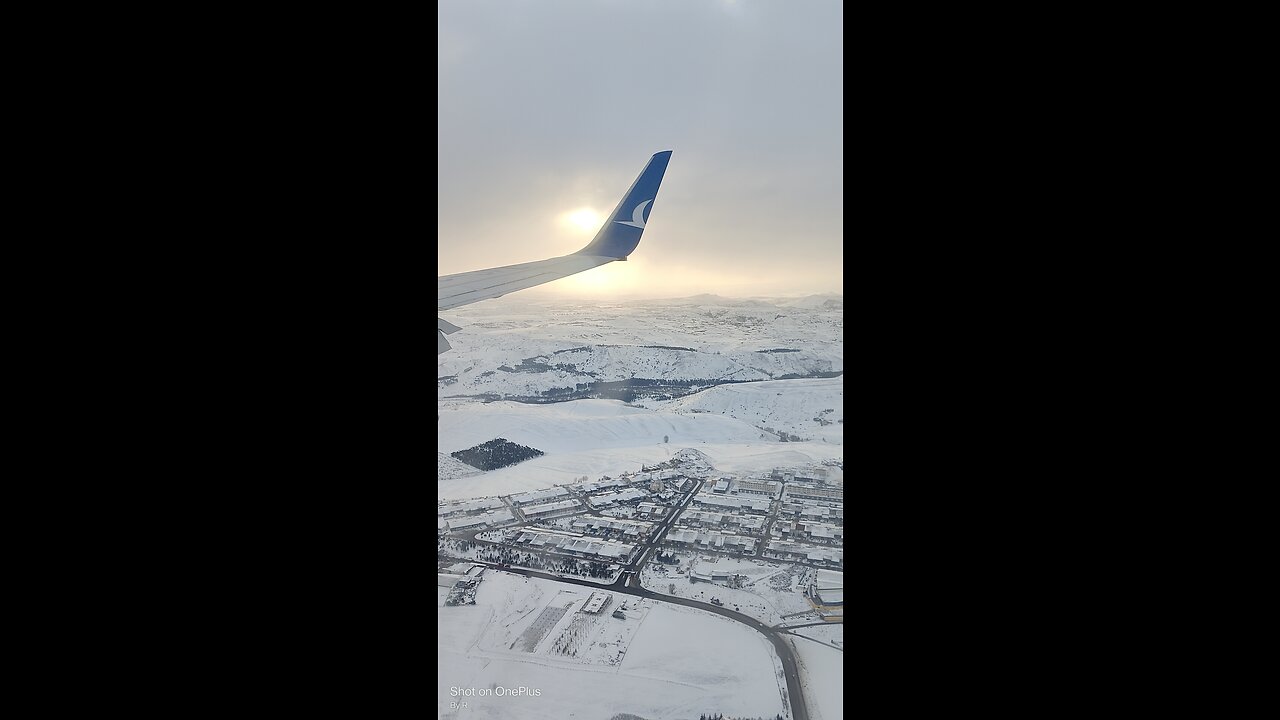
<point x="824" y="643"/>
<point x="789" y="669"/>
<point x="812" y="624"/>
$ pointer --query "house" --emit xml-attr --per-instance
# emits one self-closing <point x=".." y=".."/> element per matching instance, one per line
<point x="648" y="509"/>
<point x="538" y="496"/>
<point x="615" y="498"/>
<point x="814" y="492"/>
<point x="785" y="550"/>
<point x="540" y="510"/>
<point x="596" y="602"/>
<point x="828" y="587"/>
<point x="755" y="487"/>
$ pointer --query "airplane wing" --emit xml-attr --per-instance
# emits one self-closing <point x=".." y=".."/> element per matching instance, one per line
<point x="616" y="240"/>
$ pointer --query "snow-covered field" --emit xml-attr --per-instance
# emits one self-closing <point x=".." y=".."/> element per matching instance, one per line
<point x="830" y="633"/>
<point x="603" y="437"/>
<point x="567" y="427"/>
<point x="559" y="469"/>
<point x="821" y="677"/>
<point x="660" y="663"/>
<point x="813" y="409"/>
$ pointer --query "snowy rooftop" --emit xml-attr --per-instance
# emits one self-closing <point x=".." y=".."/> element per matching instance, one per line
<point x="824" y="531"/>
<point x="830" y="579"/>
<point x="611" y="524"/>
<point x="448" y="580"/>
<point x="711" y="539"/>
<point x="538" y="495"/>
<point x="595" y="602"/>
<point x="814" y="492"/>
<point x="490" y="518"/>
<point x="809" y="551"/>
<point x="831" y="596"/>
<point x="469" y="506"/>
<point x="761" y="504"/>
<point x="567" y="542"/>
<point x="549" y="507"/>
<point x="617" y="497"/>
<point x="769" y="488"/>
<point x="589" y="487"/>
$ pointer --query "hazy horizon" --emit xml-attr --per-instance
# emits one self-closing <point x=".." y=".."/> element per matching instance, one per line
<point x="547" y="112"/>
<point x="549" y="293"/>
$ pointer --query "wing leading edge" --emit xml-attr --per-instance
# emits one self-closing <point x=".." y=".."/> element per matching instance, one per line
<point x="615" y="241"/>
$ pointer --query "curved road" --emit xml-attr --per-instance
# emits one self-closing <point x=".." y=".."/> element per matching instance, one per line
<point x="794" y="695"/>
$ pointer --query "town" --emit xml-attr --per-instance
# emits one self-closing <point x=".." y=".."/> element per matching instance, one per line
<point x="773" y="542"/>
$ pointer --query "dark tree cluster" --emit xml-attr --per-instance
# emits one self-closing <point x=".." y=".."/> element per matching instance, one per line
<point x="497" y="453"/>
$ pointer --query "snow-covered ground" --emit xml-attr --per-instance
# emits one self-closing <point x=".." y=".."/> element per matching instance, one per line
<point x="549" y="470"/>
<point x="830" y="633"/>
<point x="813" y="409"/>
<point x="448" y="467"/>
<point x="821" y="678"/>
<point x="569" y="427"/>
<point x="688" y="339"/>
<point x="661" y="663"/>
<point x="604" y="437"/>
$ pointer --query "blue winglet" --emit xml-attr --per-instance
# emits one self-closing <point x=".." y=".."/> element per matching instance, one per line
<point x="621" y="232"/>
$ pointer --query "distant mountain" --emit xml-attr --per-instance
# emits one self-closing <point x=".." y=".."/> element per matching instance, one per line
<point x="829" y="301"/>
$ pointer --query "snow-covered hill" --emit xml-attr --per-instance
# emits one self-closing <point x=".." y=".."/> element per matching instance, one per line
<point x="532" y="349"/>
<point x="721" y="360"/>
<point x="811" y="409"/>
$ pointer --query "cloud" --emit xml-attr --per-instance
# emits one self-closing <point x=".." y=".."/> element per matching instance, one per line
<point x="545" y="108"/>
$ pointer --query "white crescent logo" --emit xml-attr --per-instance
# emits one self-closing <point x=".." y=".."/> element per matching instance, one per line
<point x="637" y="216"/>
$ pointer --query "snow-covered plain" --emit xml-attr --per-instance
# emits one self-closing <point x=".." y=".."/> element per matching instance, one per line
<point x="661" y="663"/>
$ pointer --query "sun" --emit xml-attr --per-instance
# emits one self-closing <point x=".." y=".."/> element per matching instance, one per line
<point x="583" y="220"/>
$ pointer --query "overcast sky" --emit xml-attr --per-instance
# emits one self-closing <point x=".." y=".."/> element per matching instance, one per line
<point x="549" y="109"/>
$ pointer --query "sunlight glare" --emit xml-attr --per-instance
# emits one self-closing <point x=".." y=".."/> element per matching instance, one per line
<point x="583" y="220"/>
